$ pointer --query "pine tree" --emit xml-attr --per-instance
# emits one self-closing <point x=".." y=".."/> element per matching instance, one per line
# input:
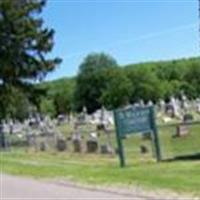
<point x="24" y="42"/>
<point x="24" y="45"/>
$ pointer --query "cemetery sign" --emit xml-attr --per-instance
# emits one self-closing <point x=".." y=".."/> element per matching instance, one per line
<point x="132" y="120"/>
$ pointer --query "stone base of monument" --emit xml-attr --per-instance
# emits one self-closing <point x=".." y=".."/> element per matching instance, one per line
<point x="77" y="146"/>
<point x="92" y="146"/>
<point x="61" y="145"/>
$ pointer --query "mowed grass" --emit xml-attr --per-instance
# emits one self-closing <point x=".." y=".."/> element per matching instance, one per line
<point x="141" y="170"/>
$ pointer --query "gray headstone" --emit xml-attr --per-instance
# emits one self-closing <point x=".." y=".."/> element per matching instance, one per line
<point x="43" y="146"/>
<point x="106" y="149"/>
<point x="92" y="146"/>
<point x="77" y="146"/>
<point x="143" y="149"/>
<point x="61" y="145"/>
<point x="181" y="130"/>
<point x="188" y="118"/>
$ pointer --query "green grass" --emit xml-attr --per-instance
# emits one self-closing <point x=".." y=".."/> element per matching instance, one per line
<point x="142" y="170"/>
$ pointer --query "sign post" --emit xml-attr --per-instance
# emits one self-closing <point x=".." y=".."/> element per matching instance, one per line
<point x="120" y="145"/>
<point x="155" y="137"/>
<point x="135" y="120"/>
<point x="2" y="138"/>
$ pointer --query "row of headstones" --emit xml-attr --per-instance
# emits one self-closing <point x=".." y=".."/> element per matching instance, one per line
<point x="174" y="108"/>
<point x="60" y="144"/>
<point x="14" y="126"/>
<point x="178" y="105"/>
<point x="91" y="146"/>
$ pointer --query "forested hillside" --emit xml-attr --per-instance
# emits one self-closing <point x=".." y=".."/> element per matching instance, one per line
<point x="59" y="96"/>
<point x="118" y="85"/>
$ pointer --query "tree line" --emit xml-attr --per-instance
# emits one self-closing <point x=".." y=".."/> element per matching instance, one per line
<point x="102" y="82"/>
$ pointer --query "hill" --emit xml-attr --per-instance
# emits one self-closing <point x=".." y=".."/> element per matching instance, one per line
<point x="147" y="81"/>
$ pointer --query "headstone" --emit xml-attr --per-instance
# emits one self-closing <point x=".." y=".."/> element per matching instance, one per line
<point x="198" y="108"/>
<point x="84" y="111"/>
<point x="198" y="105"/>
<point x="162" y="105"/>
<point x="82" y="117"/>
<point x="143" y="149"/>
<point x="184" y="103"/>
<point x="100" y="127"/>
<point x="77" y="146"/>
<point x="181" y="130"/>
<point x="11" y="126"/>
<point x="188" y="118"/>
<point x="76" y="139"/>
<point x="173" y="108"/>
<point x="31" y="140"/>
<point x="92" y="143"/>
<point x="102" y="114"/>
<point x="141" y="103"/>
<point x="106" y="149"/>
<point x="61" y="145"/>
<point x="150" y="103"/>
<point x="60" y="119"/>
<point x="110" y="118"/>
<point x="43" y="146"/>
<point x="92" y="146"/>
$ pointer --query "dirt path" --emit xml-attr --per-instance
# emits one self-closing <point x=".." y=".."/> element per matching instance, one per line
<point x="17" y="188"/>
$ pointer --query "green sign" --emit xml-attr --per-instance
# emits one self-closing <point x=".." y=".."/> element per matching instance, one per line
<point x="133" y="120"/>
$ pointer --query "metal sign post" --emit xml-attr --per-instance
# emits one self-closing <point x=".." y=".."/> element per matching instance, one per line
<point x="119" y="143"/>
<point x="2" y="138"/>
<point x="155" y="137"/>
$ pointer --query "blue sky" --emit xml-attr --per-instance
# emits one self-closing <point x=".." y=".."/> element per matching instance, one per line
<point x="131" y="31"/>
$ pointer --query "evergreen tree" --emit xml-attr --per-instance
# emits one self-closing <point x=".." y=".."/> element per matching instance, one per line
<point x="24" y="44"/>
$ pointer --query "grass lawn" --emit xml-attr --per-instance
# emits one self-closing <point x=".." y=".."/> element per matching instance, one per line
<point x="142" y="170"/>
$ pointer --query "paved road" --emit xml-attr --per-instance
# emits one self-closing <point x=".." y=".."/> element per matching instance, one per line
<point x="17" y="188"/>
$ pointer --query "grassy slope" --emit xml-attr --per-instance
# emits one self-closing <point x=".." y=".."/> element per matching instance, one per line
<point x="181" y="176"/>
<point x="178" y="176"/>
